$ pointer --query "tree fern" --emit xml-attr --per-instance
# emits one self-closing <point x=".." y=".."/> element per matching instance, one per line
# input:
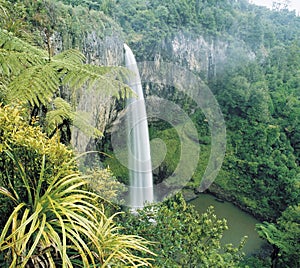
<point x="35" y="77"/>
<point x="62" y="110"/>
<point x="81" y="121"/>
<point x="75" y="74"/>
<point x="3" y="11"/>
<point x="30" y="76"/>
<point x="35" y="85"/>
<point x="11" y="43"/>
<point x="15" y="57"/>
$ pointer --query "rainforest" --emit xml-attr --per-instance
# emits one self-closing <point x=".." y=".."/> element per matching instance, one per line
<point x="63" y="93"/>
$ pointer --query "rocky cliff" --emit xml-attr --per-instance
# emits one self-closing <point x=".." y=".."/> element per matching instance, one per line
<point x="100" y="39"/>
<point x="201" y="54"/>
<point x="99" y="108"/>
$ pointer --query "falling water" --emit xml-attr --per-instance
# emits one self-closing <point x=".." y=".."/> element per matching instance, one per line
<point x="139" y="159"/>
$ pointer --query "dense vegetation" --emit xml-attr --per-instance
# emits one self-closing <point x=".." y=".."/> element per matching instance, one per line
<point x="183" y="237"/>
<point x="258" y="91"/>
<point x="50" y="217"/>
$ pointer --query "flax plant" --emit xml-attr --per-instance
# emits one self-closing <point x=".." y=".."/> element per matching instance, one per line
<point x="62" y="225"/>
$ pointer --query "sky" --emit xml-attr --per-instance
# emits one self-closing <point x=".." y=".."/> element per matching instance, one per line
<point x="294" y="4"/>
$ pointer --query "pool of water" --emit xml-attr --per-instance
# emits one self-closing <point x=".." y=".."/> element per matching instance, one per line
<point x="239" y="222"/>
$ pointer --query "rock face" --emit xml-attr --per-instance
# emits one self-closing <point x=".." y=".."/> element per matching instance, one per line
<point x="196" y="53"/>
<point x="101" y="41"/>
<point x="107" y="50"/>
<point x="99" y="108"/>
<point x="202" y="55"/>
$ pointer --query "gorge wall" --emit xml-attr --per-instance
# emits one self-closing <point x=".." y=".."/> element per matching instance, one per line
<point x="201" y="54"/>
<point x="101" y="40"/>
<point x="100" y="108"/>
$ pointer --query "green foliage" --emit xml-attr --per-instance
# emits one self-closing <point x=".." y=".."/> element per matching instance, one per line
<point x="170" y="161"/>
<point x="16" y="55"/>
<point x="68" y="23"/>
<point x="38" y="79"/>
<point x="285" y="237"/>
<point x="120" y="171"/>
<point x="262" y="157"/>
<point x="12" y="18"/>
<point x="258" y="90"/>
<point x="29" y="144"/>
<point x="183" y="238"/>
<point x="48" y="216"/>
<point x="104" y="183"/>
<point x="30" y="76"/>
<point x="148" y="24"/>
<point x="255" y="262"/>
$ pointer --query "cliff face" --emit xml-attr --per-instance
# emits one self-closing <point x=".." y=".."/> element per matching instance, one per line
<point x="106" y="50"/>
<point x="206" y="57"/>
<point x="195" y="52"/>
<point x="100" y="39"/>
<point x="203" y="55"/>
<point x="100" y="109"/>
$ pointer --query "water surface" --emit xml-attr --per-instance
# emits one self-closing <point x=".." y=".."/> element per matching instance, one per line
<point x="239" y="222"/>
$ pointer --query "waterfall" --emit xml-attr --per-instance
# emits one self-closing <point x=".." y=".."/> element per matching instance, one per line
<point x="139" y="158"/>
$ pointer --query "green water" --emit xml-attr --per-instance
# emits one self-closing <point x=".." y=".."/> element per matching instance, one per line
<point x="239" y="222"/>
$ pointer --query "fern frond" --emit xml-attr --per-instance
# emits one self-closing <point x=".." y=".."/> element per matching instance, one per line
<point x="3" y="88"/>
<point x="81" y="122"/>
<point x="13" y="62"/>
<point x="35" y="85"/>
<point x="72" y="56"/>
<point x="92" y="77"/>
<point x="17" y="55"/>
<point x="61" y="110"/>
<point x="3" y="11"/>
<point x="11" y="43"/>
<point x="35" y="78"/>
<point x="38" y="83"/>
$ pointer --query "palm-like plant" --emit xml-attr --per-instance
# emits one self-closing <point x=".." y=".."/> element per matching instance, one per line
<point x="62" y="224"/>
<point x="48" y="217"/>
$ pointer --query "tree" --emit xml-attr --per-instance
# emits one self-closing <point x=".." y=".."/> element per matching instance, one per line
<point x="284" y="236"/>
<point x="183" y="238"/>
